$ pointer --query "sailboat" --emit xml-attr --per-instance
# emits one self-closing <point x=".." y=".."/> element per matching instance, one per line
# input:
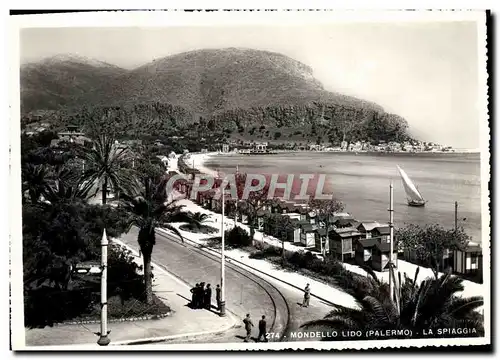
<point x="412" y="194"/>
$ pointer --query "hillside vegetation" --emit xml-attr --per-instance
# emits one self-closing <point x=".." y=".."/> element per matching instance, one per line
<point x="230" y="91"/>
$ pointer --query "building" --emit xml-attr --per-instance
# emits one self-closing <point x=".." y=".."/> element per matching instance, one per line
<point x="260" y="147"/>
<point x="366" y="228"/>
<point x="383" y="233"/>
<point x="469" y="262"/>
<point x="374" y="253"/>
<point x="225" y="148"/>
<point x="341" y="241"/>
<point x="307" y="234"/>
<point x="314" y="147"/>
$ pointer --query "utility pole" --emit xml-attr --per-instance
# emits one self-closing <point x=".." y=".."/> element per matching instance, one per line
<point x="223" y="261"/>
<point x="391" y="229"/>
<point x="456" y="216"/>
<point x="103" y="335"/>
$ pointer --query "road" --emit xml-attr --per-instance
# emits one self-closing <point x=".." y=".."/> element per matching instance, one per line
<point x="245" y="291"/>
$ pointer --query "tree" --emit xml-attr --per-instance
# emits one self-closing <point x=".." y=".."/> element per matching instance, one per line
<point x="106" y="165"/>
<point x="280" y="225"/>
<point x="149" y="208"/>
<point x="324" y="210"/>
<point x="198" y="219"/>
<point x="35" y="179"/>
<point x="256" y="201"/>
<point x="430" y="305"/>
<point x="430" y="243"/>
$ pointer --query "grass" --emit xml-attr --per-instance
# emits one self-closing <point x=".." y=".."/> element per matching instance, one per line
<point x="119" y="308"/>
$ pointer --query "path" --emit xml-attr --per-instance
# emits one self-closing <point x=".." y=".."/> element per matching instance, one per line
<point x="183" y="321"/>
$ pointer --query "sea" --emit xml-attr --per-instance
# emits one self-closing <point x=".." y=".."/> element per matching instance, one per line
<point x="361" y="181"/>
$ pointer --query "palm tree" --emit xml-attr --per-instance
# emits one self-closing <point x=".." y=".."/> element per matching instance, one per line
<point x="35" y="179"/>
<point x="198" y="219"/>
<point x="68" y="186"/>
<point x="105" y="164"/>
<point x="149" y="208"/>
<point x="429" y="306"/>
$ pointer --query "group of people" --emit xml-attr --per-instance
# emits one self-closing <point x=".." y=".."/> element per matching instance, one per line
<point x="262" y="328"/>
<point x="201" y="296"/>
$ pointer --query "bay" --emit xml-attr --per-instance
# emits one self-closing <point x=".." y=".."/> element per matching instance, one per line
<point x="361" y="181"/>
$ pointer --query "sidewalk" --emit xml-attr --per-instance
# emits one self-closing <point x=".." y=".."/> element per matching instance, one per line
<point x="183" y="321"/>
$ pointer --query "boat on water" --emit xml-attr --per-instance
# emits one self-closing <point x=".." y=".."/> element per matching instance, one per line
<point x="413" y="196"/>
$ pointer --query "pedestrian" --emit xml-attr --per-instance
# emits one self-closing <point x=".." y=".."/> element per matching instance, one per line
<point x="262" y="329"/>
<point x="248" y="327"/>
<point x="201" y="296"/>
<point x="218" y="296"/>
<point x="307" y="295"/>
<point x="194" y="291"/>
<point x="198" y="296"/>
<point x="208" y="297"/>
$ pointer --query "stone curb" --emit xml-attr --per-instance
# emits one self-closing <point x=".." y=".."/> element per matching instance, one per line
<point x="178" y="336"/>
<point x="138" y="318"/>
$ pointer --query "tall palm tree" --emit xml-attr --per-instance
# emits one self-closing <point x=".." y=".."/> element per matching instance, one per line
<point x="105" y="164"/>
<point x="429" y="306"/>
<point x="149" y="208"/>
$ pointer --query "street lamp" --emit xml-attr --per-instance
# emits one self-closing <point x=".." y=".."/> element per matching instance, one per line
<point x="103" y="335"/>
<point x="222" y="259"/>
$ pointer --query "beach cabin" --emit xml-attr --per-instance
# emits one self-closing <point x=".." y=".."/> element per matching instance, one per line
<point x="364" y="249"/>
<point x="383" y="233"/>
<point x="469" y="262"/>
<point x="341" y="241"/>
<point x="366" y="228"/>
<point x="321" y="239"/>
<point x="307" y="234"/>
<point x="294" y="235"/>
<point x="381" y="256"/>
<point x="374" y="253"/>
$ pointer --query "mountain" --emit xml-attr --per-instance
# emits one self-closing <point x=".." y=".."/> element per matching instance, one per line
<point x="62" y="80"/>
<point x="220" y="89"/>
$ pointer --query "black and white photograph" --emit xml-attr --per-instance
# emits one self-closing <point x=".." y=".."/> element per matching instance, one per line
<point x="258" y="180"/>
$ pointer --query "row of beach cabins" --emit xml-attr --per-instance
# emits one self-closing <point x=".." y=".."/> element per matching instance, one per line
<point x="364" y="243"/>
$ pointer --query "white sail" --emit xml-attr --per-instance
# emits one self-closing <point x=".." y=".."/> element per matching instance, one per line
<point x="411" y="190"/>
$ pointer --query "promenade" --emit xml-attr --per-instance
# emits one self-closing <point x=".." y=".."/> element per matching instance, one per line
<point x="183" y="322"/>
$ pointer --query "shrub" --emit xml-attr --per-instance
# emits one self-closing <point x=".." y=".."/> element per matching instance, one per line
<point x="238" y="237"/>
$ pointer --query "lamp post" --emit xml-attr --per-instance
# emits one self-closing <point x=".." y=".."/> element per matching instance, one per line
<point x="391" y="229"/>
<point x="103" y="335"/>
<point x="223" y="261"/>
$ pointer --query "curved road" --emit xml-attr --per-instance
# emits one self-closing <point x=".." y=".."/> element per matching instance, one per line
<point x="245" y="292"/>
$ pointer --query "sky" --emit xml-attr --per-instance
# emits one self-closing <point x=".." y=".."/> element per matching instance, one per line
<point x="424" y="72"/>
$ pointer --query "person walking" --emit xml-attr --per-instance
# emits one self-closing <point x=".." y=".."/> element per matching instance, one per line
<point x="208" y="297"/>
<point x="307" y="296"/>
<point x="248" y="327"/>
<point x="194" y="291"/>
<point x="218" y="296"/>
<point x="262" y="329"/>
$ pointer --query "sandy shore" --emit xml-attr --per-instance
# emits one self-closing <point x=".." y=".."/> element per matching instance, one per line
<point x="197" y="161"/>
